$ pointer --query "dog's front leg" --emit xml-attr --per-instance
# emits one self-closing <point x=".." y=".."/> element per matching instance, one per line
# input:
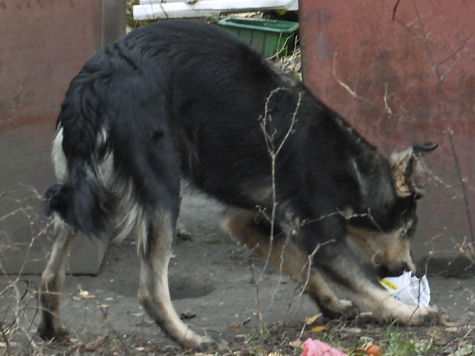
<point x="52" y="281"/>
<point x="155" y="252"/>
<point x="286" y="257"/>
<point x="366" y="292"/>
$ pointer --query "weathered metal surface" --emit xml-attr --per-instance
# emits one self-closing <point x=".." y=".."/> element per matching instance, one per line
<point x="400" y="72"/>
<point x="44" y="44"/>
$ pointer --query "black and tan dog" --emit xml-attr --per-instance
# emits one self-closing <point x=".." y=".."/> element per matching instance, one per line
<point x="304" y="189"/>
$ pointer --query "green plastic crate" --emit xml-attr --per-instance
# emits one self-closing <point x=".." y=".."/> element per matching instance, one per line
<point x="268" y="37"/>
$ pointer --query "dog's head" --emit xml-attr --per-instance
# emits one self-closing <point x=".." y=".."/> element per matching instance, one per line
<point x="384" y="239"/>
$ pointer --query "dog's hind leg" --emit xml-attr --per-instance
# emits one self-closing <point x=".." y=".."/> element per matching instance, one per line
<point x="155" y="249"/>
<point x="289" y="259"/>
<point x="52" y="281"/>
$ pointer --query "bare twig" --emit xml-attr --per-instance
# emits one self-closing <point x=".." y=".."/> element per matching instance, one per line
<point x="15" y="320"/>
<point x="395" y="9"/>
<point x="386" y="100"/>
<point x="5" y="338"/>
<point x="18" y="322"/>
<point x="308" y="265"/>
<point x="274" y="149"/>
<point x="346" y="86"/>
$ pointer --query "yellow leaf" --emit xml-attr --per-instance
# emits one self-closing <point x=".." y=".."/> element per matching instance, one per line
<point x="318" y="329"/>
<point x="310" y="320"/>
<point x="297" y="344"/>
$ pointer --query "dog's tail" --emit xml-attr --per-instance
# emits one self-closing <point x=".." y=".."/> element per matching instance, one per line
<point x="81" y="203"/>
<point x="79" y="151"/>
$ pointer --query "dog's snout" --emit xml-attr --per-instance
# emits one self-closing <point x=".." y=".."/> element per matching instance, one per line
<point x="405" y="266"/>
<point x="396" y="269"/>
<point x="409" y="266"/>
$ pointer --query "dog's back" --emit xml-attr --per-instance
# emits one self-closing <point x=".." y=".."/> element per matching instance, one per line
<point x="169" y="98"/>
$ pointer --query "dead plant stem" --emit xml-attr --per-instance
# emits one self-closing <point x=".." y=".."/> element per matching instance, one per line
<point x="273" y="153"/>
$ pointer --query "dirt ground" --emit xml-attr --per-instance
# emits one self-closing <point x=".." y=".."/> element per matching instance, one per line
<point x="217" y="287"/>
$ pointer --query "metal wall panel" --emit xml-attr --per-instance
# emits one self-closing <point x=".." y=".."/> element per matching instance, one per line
<point x="44" y="44"/>
<point x="403" y="72"/>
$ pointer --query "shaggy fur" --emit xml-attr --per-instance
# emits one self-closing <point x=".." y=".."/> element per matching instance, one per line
<point x="188" y="99"/>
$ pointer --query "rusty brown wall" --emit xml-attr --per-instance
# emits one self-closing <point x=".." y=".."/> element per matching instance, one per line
<point x="402" y="74"/>
<point x="44" y="43"/>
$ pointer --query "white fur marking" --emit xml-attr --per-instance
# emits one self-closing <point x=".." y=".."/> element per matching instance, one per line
<point x="58" y="157"/>
<point x="128" y="215"/>
<point x="361" y="182"/>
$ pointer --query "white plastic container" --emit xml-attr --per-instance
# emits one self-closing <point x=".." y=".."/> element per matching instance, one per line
<point x="156" y="9"/>
<point x="408" y="289"/>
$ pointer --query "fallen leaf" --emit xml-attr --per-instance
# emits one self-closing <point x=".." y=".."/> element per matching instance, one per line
<point x="318" y="329"/>
<point x="449" y="323"/>
<point x="235" y="326"/>
<point x="312" y="319"/>
<point x="452" y="330"/>
<point x="353" y="330"/>
<point x="93" y="345"/>
<point x="297" y="344"/>
<point x="84" y="294"/>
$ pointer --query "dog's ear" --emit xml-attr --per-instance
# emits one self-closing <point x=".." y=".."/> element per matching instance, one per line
<point x="409" y="169"/>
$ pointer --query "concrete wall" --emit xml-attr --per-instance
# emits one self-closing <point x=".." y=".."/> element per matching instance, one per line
<point x="44" y="44"/>
<point x="403" y="74"/>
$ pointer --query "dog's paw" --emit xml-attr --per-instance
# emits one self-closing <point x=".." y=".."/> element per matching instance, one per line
<point x="208" y="345"/>
<point x="366" y="318"/>
<point x="55" y="332"/>
<point x="348" y="309"/>
<point x="412" y="315"/>
<point x="425" y="316"/>
<point x="340" y="308"/>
